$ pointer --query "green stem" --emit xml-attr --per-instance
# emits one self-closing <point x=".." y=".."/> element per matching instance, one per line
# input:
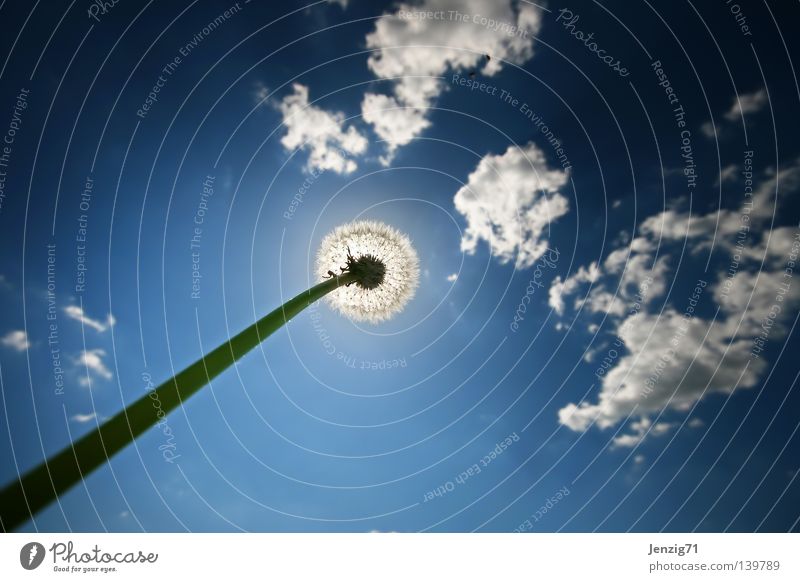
<point x="20" y="500"/>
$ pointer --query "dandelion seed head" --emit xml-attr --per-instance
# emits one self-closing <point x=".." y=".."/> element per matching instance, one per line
<point x="385" y="261"/>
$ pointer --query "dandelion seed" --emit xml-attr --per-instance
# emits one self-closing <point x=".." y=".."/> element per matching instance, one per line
<point x="384" y="262"/>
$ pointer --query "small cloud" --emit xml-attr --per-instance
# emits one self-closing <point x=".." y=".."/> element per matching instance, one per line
<point x="639" y="459"/>
<point x="452" y="277"/>
<point x="742" y="105"/>
<point x="709" y="130"/>
<point x="16" y="340"/>
<point x="747" y="103"/>
<point x="321" y="133"/>
<point x="78" y="314"/>
<point x="260" y="92"/>
<point x="616" y="204"/>
<point x="660" y="428"/>
<point x="696" y="423"/>
<point x="727" y="174"/>
<point x="342" y="3"/>
<point x="92" y="361"/>
<point x="589" y="355"/>
<point x="641" y="429"/>
<point x="83" y="418"/>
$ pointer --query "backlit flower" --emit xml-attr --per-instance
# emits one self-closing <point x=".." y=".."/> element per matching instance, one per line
<point x="384" y="261"/>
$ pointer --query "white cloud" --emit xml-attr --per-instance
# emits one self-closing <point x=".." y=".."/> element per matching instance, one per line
<point x="319" y="132"/>
<point x="260" y="93"/>
<point x="560" y="289"/>
<point x="638" y="280"/>
<point x="639" y="430"/>
<point x="75" y="312"/>
<point x="415" y="52"/>
<point x="743" y="104"/>
<point x="725" y="223"/>
<point x="674" y="357"/>
<point x="452" y="277"/>
<point x="709" y="130"/>
<point x="394" y="123"/>
<point x="91" y="362"/>
<point x="670" y="364"/>
<point x="83" y="418"/>
<point x="747" y="103"/>
<point x="509" y="201"/>
<point x="16" y="340"/>
<point x="695" y="423"/>
<point x="728" y="174"/>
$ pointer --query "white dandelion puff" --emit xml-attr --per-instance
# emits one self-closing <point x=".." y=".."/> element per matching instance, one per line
<point x="386" y="264"/>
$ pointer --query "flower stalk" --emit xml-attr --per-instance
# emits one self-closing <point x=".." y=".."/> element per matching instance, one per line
<point x="33" y="491"/>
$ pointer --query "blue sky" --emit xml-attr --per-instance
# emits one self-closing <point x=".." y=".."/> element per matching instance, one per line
<point x="638" y="219"/>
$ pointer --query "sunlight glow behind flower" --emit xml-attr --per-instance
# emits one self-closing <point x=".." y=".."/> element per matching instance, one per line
<point x="369" y="240"/>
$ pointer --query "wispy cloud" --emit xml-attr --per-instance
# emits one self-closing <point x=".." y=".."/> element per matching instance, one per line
<point x="639" y="430"/>
<point x="260" y="93"/>
<point x="83" y="418"/>
<point x="16" y="340"/>
<point x="75" y="312"/>
<point x="744" y="104"/>
<point x="452" y="277"/>
<point x="92" y="364"/>
<point x="747" y="103"/>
